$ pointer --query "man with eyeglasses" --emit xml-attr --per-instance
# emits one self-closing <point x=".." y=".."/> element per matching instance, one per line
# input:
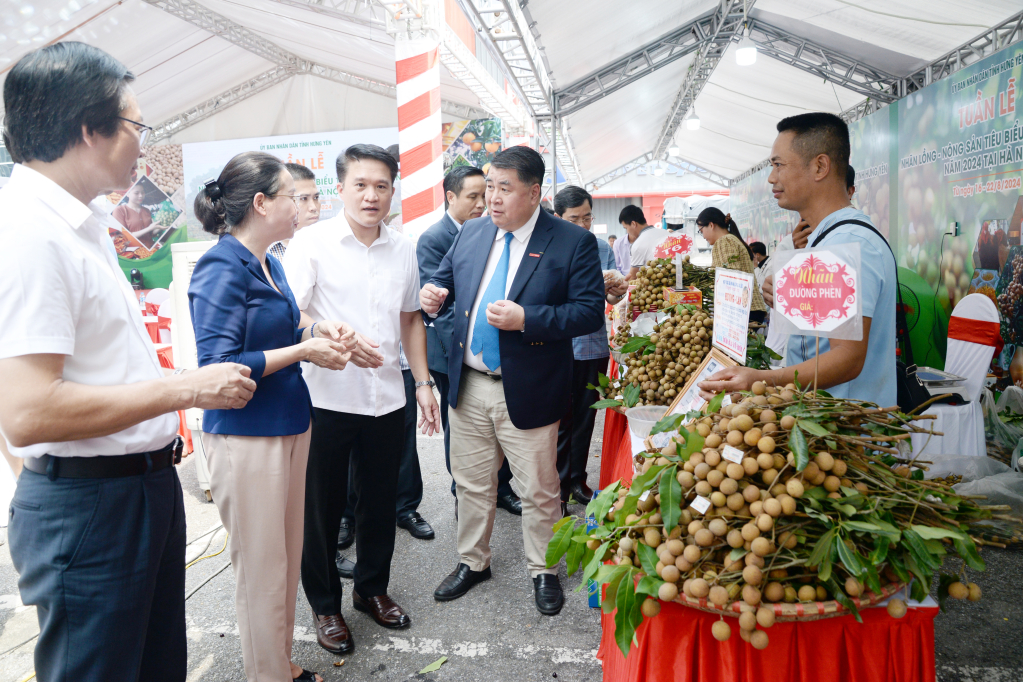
<point x="97" y="524"/>
<point x="590" y="354"/>
<point x="307" y="198"/>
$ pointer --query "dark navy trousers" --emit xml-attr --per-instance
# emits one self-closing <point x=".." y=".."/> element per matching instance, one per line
<point x="103" y="562"/>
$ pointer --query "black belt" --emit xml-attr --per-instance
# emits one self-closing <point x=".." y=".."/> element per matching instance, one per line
<point x="489" y="375"/>
<point x="115" y="466"/>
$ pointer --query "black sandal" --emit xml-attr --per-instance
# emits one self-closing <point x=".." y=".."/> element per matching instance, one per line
<point x="306" y="676"/>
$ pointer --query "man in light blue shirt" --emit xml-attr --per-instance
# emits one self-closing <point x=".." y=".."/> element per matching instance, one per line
<point x="809" y="161"/>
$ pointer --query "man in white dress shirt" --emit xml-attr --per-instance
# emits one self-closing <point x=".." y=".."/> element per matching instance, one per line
<point x="354" y="268"/>
<point x="97" y="525"/>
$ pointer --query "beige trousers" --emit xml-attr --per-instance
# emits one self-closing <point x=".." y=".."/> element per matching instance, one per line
<point x="258" y="485"/>
<point x="479" y="423"/>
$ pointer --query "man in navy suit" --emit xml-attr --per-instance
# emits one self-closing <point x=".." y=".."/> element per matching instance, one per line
<point x="464" y="193"/>
<point x="524" y="284"/>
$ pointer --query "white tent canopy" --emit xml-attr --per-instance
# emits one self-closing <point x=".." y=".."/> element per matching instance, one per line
<point x="182" y="64"/>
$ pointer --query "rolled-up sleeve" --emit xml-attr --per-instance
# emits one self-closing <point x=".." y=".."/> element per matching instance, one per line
<point x="218" y="304"/>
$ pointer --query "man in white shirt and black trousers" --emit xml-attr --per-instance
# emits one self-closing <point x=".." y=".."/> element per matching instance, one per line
<point x="97" y="524"/>
<point x="524" y="283"/>
<point x="354" y="268"/>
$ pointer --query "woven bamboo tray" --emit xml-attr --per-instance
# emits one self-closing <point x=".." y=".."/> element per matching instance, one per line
<point x="800" y="611"/>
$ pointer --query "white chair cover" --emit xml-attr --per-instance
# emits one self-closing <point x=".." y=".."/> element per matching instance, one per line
<point x="962" y="426"/>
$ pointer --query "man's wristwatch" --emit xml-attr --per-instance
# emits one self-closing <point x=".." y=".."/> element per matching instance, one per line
<point x="431" y="383"/>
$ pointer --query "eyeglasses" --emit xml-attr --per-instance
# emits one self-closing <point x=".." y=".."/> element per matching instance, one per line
<point x="143" y="129"/>
<point x="293" y="197"/>
<point x="581" y="221"/>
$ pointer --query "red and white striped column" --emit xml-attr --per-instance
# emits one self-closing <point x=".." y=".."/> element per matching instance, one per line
<point x="419" y="133"/>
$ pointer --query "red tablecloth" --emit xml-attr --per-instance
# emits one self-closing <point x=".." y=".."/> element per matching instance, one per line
<point x="166" y="357"/>
<point x="677" y="646"/>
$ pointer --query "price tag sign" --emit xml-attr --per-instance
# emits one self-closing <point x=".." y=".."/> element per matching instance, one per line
<point x="732" y="454"/>
<point x="700" y="504"/>
<point x="674" y="245"/>
<point x="733" y="296"/>
<point x="660" y="440"/>
<point x="817" y="292"/>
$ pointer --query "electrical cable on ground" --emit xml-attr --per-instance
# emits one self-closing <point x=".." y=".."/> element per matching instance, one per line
<point x="26" y="679"/>
<point x="18" y="646"/>
<point x="200" y="585"/>
<point x="193" y="563"/>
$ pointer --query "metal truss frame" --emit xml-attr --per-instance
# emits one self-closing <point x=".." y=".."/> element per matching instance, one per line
<point x="564" y="152"/>
<point x="726" y="24"/>
<point x="625" y="70"/>
<point x="364" y="12"/>
<point x="287" y="64"/>
<point x="649" y="157"/>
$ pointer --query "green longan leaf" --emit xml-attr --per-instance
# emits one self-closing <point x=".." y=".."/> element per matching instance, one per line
<point x="601" y="404"/>
<point x="647" y="558"/>
<point x="968" y="551"/>
<point x="799" y="448"/>
<point x="649" y="584"/>
<point x="862" y="526"/>
<point x="824" y="573"/>
<point x="842" y="599"/>
<point x="631" y="395"/>
<point x="822" y="549"/>
<point x="873" y="581"/>
<point x="944" y="580"/>
<point x="610" y="602"/>
<point x="812" y="427"/>
<point x="931" y="533"/>
<point x="599" y="506"/>
<point x="596" y="562"/>
<point x="849" y="558"/>
<point x="634" y="344"/>
<point x="576" y="552"/>
<point x="603" y="380"/>
<point x="736" y="554"/>
<point x="561" y="541"/>
<point x="669" y="422"/>
<point x="671" y="498"/>
<point x="435" y="666"/>
<point x="715" y="403"/>
<point x="918" y="550"/>
<point x="880" y="551"/>
<point x="625" y="602"/>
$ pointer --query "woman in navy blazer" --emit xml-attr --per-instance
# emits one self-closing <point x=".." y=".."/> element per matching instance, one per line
<point x="243" y="311"/>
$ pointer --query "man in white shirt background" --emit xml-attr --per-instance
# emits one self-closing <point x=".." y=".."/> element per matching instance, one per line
<point x="97" y="524"/>
<point x="354" y="268"/>
<point x="465" y="194"/>
<point x="307" y="196"/>
<point x="645" y="238"/>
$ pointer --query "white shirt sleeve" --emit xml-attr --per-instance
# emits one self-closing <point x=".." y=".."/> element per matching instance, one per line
<point x="39" y="308"/>
<point x="300" y="269"/>
<point x="410" y="297"/>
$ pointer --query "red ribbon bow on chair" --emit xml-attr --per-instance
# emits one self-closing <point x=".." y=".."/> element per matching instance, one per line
<point x="976" y="331"/>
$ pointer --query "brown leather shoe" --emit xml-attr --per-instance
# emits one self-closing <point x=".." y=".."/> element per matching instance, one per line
<point x="332" y="633"/>
<point x="384" y="611"/>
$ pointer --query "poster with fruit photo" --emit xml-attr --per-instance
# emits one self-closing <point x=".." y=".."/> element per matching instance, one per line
<point x="471" y="143"/>
<point x="756" y="211"/>
<point x="960" y="146"/>
<point x="149" y="216"/>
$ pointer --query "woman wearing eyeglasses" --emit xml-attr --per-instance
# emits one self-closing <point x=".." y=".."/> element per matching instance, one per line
<point x="730" y="251"/>
<point x="243" y="311"/>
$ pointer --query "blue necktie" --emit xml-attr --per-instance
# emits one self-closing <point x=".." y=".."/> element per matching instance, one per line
<point x="485" y="336"/>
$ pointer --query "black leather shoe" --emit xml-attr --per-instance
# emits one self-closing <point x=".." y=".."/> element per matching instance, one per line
<point x="564" y="509"/>
<point x="581" y="493"/>
<point x="345" y="566"/>
<point x="416" y="525"/>
<point x="510" y="503"/>
<point x="346" y="536"/>
<point x="459" y="582"/>
<point x="549" y="597"/>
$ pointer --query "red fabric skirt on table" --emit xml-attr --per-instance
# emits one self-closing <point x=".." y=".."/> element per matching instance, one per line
<point x="677" y="646"/>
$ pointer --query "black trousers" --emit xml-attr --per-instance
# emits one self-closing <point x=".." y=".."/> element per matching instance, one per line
<point x="410" y="476"/>
<point x="504" y="474"/>
<point x="576" y="428"/>
<point x="103" y="562"/>
<point x="371" y="446"/>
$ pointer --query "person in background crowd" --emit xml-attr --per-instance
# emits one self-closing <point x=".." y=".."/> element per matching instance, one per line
<point x="354" y="267"/>
<point x="135" y="217"/>
<point x="622" y="248"/>
<point x="465" y="190"/>
<point x="393" y="219"/>
<point x="243" y="311"/>
<point x="611" y="242"/>
<point x="590" y="354"/>
<point x="730" y="251"/>
<point x="308" y="199"/>
<point x="809" y="160"/>
<point x="525" y="284"/>
<point x="645" y="238"/>
<point x="97" y="524"/>
<point x="759" y="251"/>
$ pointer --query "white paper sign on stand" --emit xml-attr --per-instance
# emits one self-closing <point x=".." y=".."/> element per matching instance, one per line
<point x="733" y="296"/>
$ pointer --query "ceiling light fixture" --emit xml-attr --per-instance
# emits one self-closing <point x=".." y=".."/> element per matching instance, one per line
<point x="673" y="150"/>
<point x="746" y="53"/>
<point x="692" y="120"/>
<point x="658" y="169"/>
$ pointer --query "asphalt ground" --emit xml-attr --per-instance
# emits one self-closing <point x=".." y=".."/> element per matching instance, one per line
<point x="495" y="632"/>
